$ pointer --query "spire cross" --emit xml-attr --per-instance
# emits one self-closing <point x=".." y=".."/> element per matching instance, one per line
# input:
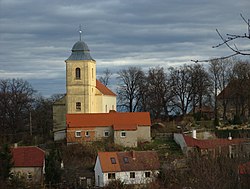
<point x="80" y="32"/>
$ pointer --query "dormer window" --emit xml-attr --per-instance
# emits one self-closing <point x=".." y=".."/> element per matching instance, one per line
<point x="125" y="159"/>
<point x="78" y="73"/>
<point x="113" y="161"/>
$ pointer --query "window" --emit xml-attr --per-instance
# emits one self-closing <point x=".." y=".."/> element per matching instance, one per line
<point x="132" y="174"/>
<point x="147" y="174"/>
<point x="106" y="133"/>
<point x="111" y="175"/>
<point x="125" y="159"/>
<point x="77" y="133"/>
<point x="87" y="134"/>
<point x="113" y="161"/>
<point x="123" y="134"/>
<point x="78" y="106"/>
<point x="78" y="73"/>
<point x="29" y="176"/>
<point x="92" y="73"/>
<point x="106" y="108"/>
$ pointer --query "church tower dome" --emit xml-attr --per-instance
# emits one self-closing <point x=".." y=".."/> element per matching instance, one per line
<point x="80" y="51"/>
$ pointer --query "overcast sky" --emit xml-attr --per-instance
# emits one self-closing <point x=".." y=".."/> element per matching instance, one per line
<point x="36" y="36"/>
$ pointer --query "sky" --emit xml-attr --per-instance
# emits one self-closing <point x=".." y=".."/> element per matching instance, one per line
<point x="36" y="37"/>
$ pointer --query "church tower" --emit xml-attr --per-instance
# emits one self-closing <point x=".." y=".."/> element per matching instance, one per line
<point x="84" y="93"/>
<point x="80" y="80"/>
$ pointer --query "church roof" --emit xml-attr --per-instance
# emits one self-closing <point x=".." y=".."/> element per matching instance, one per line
<point x="80" y="51"/>
<point x="103" y="89"/>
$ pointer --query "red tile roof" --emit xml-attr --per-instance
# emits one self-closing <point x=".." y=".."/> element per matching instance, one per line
<point x="143" y="160"/>
<point x="118" y="120"/>
<point x="28" y="156"/>
<point x="103" y="89"/>
<point x="211" y="143"/>
<point x="244" y="169"/>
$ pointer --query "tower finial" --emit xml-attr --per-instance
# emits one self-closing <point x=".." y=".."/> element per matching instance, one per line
<point x="80" y="31"/>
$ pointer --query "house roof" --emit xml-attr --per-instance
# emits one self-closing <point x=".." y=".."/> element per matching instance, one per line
<point x="28" y="156"/>
<point x="129" y="161"/>
<point x="233" y="88"/>
<point x="211" y="143"/>
<point x="244" y="169"/>
<point x="103" y="89"/>
<point x="118" y="120"/>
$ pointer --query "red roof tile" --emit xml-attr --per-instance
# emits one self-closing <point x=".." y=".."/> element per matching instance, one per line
<point x="143" y="160"/>
<point x="118" y="120"/>
<point x="103" y="89"/>
<point x="211" y="143"/>
<point x="244" y="169"/>
<point x="28" y="156"/>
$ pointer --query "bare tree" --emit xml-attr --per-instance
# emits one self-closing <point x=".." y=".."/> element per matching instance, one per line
<point x="180" y="82"/>
<point x="16" y="97"/>
<point x="159" y="93"/>
<point x="106" y="77"/>
<point x="201" y="84"/>
<point x="128" y="89"/>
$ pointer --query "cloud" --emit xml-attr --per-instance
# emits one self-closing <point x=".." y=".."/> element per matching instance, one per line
<point x="37" y="36"/>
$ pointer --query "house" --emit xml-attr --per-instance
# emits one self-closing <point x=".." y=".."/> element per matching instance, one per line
<point x="84" y="93"/>
<point x="216" y="146"/>
<point x="30" y="162"/>
<point x="124" y="128"/>
<point x="244" y="174"/>
<point x="233" y="100"/>
<point x="135" y="167"/>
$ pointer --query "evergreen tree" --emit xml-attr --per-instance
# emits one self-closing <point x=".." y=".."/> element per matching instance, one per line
<point x="6" y="162"/>
<point x="53" y="167"/>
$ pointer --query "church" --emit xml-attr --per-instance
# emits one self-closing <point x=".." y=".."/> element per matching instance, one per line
<point x="87" y="111"/>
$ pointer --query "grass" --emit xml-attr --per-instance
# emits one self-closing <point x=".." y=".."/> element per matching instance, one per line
<point x="165" y="148"/>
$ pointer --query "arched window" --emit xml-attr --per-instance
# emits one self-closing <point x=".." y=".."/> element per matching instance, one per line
<point x="78" y="73"/>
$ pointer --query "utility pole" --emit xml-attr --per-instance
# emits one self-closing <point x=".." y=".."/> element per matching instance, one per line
<point x="30" y="124"/>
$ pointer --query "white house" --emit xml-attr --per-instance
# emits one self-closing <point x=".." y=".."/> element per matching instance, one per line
<point x="135" y="167"/>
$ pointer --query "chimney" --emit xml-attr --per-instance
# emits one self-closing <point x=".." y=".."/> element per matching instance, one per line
<point x="133" y="154"/>
<point x="15" y="145"/>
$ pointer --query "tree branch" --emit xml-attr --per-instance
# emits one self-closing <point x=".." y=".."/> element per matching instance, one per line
<point x="233" y="47"/>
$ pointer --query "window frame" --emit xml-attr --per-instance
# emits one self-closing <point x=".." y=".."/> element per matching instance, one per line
<point x="78" y="132"/>
<point x="132" y="175"/>
<point x="113" y="160"/>
<point x="147" y="174"/>
<point x="78" y="106"/>
<point x="87" y="134"/>
<point x="125" y="160"/>
<point x="111" y="176"/>
<point x="78" y="73"/>
<point x="29" y="176"/>
<point x="104" y="134"/>
<point x="121" y="134"/>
